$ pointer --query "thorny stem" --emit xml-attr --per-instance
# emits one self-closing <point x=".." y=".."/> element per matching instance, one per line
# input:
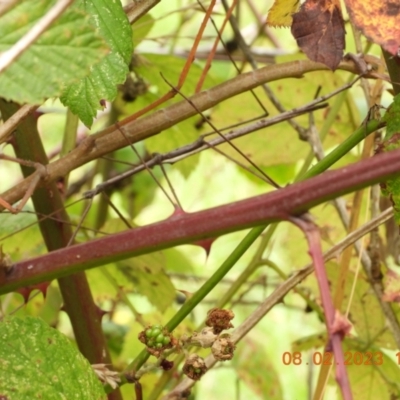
<point x="282" y="290"/>
<point x="199" y="295"/>
<point x="189" y="227"/>
<point x="85" y="316"/>
<point x="335" y="336"/>
<point x="324" y="164"/>
<point x="250" y="239"/>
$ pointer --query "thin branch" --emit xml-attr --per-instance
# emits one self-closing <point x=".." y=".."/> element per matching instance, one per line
<point x="246" y="50"/>
<point x="211" y="53"/>
<point x="110" y="139"/>
<point x="261" y="20"/>
<point x="200" y="144"/>
<point x="7" y="57"/>
<point x="276" y="297"/>
<point x="156" y="180"/>
<point x="137" y="9"/>
<point x="10" y="125"/>
<point x="261" y="174"/>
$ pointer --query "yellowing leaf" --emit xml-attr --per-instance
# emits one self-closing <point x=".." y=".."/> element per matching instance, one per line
<point x="378" y="20"/>
<point x="281" y="12"/>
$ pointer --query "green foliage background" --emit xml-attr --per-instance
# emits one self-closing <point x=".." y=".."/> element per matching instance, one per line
<point x="147" y="288"/>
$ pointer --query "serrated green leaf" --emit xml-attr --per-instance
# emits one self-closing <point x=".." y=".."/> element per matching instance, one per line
<point x="38" y="362"/>
<point x="83" y="98"/>
<point x="62" y="55"/>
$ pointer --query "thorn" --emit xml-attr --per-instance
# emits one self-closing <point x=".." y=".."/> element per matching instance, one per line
<point x="26" y="291"/>
<point x="205" y="244"/>
<point x="177" y="211"/>
<point x="36" y="114"/>
<point x="101" y="313"/>
<point x="42" y="287"/>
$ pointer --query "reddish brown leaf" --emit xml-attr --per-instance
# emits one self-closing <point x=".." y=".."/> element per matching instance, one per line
<point x="378" y="20"/>
<point x="319" y="31"/>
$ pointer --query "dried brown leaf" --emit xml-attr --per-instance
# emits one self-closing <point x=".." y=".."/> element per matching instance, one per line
<point x="378" y="20"/>
<point x="319" y="31"/>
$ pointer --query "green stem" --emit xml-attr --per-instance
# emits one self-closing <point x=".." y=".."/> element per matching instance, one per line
<point x="247" y="272"/>
<point x="190" y="304"/>
<point x="69" y="138"/>
<point x="355" y="138"/>
<point x="252" y="236"/>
